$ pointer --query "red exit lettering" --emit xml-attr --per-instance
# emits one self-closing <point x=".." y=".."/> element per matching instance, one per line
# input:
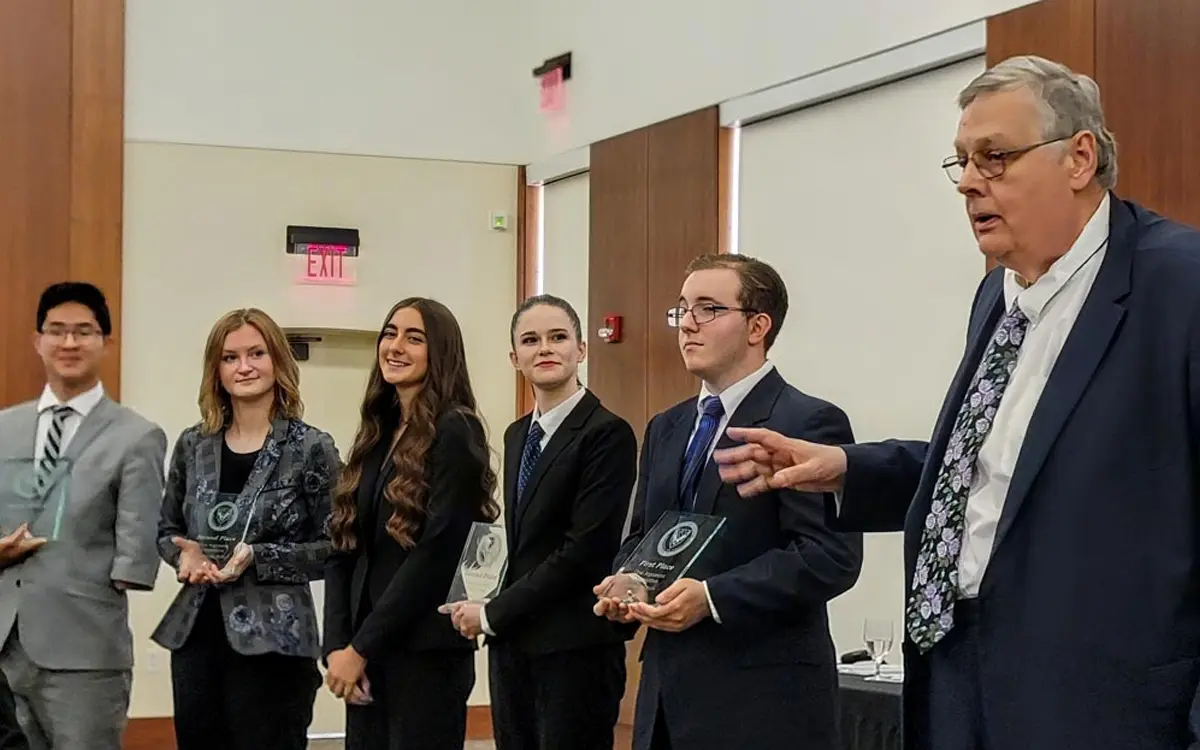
<point x="326" y="262"/>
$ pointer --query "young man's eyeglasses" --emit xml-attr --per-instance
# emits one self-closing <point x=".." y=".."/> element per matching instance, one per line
<point x="705" y="312"/>
<point x="81" y="333"/>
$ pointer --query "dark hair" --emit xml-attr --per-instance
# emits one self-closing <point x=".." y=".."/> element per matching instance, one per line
<point x="763" y="290"/>
<point x="447" y="388"/>
<point x="552" y="301"/>
<point x="79" y="292"/>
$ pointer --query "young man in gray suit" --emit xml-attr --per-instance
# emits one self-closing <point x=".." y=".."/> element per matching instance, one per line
<point x="91" y="505"/>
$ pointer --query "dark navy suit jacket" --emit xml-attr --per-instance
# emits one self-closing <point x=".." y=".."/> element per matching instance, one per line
<point x="765" y="677"/>
<point x="1090" y="604"/>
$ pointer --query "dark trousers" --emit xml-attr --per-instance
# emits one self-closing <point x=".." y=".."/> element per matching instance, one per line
<point x="955" y="697"/>
<point x="227" y="700"/>
<point x="660" y="738"/>
<point x="570" y="699"/>
<point x="11" y="737"/>
<point x="419" y="702"/>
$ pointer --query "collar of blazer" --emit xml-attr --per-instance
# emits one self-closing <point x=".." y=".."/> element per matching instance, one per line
<point x="514" y="507"/>
<point x="25" y="418"/>
<point x="208" y="461"/>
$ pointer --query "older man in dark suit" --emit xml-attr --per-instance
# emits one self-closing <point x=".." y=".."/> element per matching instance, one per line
<point x="1052" y="522"/>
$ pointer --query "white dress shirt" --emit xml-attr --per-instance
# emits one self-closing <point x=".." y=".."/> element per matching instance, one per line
<point x="731" y="398"/>
<point x="81" y="405"/>
<point x="550" y="421"/>
<point x="1051" y="304"/>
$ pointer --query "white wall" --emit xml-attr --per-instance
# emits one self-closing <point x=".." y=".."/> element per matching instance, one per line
<point x="847" y="200"/>
<point x="566" y="210"/>
<point x="204" y="233"/>
<point x="636" y="62"/>
<point x="437" y="80"/>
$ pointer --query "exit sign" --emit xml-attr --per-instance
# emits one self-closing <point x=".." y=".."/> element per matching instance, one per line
<point x="323" y="255"/>
<point x="328" y="264"/>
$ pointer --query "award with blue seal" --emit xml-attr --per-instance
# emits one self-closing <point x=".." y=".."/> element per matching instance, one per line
<point x="666" y="553"/>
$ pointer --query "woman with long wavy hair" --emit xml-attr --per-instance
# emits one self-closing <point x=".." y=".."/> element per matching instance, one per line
<point x="419" y="474"/>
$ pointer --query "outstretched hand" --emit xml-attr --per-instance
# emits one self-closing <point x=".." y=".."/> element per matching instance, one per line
<point x="767" y="461"/>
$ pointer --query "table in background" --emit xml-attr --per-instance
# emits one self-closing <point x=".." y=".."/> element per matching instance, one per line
<point x="870" y="712"/>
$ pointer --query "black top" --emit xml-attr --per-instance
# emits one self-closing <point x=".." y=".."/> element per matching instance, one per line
<point x="235" y="469"/>
<point x="383" y="598"/>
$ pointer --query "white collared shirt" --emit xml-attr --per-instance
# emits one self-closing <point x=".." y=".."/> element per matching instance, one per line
<point x="731" y="398"/>
<point x="82" y="406"/>
<point x="1052" y="303"/>
<point x="553" y="419"/>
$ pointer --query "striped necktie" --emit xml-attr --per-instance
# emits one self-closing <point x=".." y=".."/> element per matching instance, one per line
<point x="54" y="445"/>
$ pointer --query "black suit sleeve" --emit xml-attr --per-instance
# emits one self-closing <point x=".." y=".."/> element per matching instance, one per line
<point x="881" y="479"/>
<point x="609" y="464"/>
<point x="456" y="467"/>
<point x="637" y="523"/>
<point x="339" y="572"/>
<point x="815" y="566"/>
<point x="171" y="520"/>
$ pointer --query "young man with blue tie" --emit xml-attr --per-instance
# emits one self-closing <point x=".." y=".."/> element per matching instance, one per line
<point x="738" y="654"/>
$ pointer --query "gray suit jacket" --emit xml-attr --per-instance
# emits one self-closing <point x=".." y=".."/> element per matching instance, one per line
<point x="68" y="612"/>
<point x="269" y="609"/>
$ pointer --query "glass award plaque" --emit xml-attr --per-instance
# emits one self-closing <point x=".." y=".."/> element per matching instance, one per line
<point x="222" y="526"/>
<point x="482" y="566"/>
<point x="665" y="555"/>
<point x="34" y="495"/>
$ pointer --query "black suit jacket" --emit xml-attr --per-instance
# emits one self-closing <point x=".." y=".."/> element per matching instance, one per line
<point x="382" y="598"/>
<point x="1089" y="631"/>
<point x="564" y="531"/>
<point x="766" y="676"/>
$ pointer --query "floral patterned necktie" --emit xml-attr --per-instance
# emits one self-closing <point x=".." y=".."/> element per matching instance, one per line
<point x="930" y="611"/>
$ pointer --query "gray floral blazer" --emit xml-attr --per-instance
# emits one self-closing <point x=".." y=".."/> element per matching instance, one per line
<point x="269" y="609"/>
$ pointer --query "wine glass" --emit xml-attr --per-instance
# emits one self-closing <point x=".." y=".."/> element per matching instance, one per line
<point x="878" y="636"/>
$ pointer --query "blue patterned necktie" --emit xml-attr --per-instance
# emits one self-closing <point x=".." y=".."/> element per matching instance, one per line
<point x="930" y="611"/>
<point x="530" y="456"/>
<point x="697" y="450"/>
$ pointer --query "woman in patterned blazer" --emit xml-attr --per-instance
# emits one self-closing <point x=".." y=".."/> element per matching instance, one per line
<point x="245" y="524"/>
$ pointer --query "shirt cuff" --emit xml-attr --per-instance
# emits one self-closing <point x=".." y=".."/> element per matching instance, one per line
<point x="483" y="622"/>
<point x="712" y="608"/>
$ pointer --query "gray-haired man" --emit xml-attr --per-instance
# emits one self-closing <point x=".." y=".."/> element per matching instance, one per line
<point x="1052" y="521"/>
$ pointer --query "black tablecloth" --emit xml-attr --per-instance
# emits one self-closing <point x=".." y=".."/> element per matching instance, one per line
<point x="870" y="713"/>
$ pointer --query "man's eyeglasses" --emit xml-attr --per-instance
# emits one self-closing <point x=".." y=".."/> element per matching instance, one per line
<point x="705" y="312"/>
<point x="83" y="333"/>
<point x="991" y="163"/>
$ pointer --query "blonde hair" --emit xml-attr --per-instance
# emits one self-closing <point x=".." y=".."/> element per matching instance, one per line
<point x="216" y="409"/>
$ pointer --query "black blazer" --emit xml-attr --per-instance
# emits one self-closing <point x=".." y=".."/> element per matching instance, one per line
<point x="382" y="598"/>
<point x="766" y="676"/>
<point x="564" y="531"/>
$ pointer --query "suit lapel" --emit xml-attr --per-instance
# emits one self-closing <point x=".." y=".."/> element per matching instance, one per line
<point x="22" y="431"/>
<point x="513" y="449"/>
<point x="1084" y="349"/>
<point x="754" y="410"/>
<point x="264" y="465"/>
<point x="674" y="447"/>
<point x="90" y="428"/>
<point x="562" y="437"/>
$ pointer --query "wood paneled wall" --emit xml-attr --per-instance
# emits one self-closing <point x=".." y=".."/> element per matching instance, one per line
<point x="62" y="77"/>
<point x="659" y="197"/>
<point x="1136" y="50"/>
